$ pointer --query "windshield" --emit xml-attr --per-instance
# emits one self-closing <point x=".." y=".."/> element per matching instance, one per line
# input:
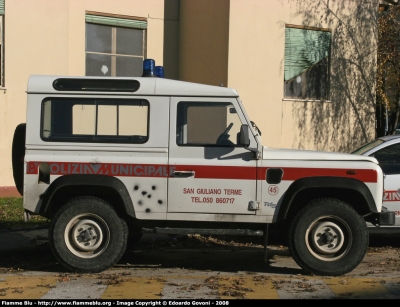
<point x="363" y="149"/>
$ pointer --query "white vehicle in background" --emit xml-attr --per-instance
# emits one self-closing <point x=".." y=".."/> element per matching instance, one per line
<point x="386" y="150"/>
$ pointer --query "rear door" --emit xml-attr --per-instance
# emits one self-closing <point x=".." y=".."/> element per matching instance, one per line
<point x="210" y="171"/>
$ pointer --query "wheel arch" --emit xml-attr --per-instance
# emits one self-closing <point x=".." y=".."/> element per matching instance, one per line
<point x="108" y="188"/>
<point x="349" y="190"/>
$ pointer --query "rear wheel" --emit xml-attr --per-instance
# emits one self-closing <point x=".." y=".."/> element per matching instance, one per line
<point x="328" y="237"/>
<point x="86" y="235"/>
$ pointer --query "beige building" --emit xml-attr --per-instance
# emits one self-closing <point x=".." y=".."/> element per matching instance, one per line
<point x="305" y="70"/>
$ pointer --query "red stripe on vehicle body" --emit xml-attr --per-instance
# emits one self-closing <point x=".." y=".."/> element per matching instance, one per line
<point x="201" y="171"/>
<point x="220" y="172"/>
<point x="294" y="173"/>
<point x="145" y="170"/>
<point x="109" y="169"/>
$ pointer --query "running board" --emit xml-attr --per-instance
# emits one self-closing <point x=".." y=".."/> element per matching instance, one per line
<point x="201" y="231"/>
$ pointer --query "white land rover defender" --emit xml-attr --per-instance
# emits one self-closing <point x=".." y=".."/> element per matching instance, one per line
<point x="107" y="159"/>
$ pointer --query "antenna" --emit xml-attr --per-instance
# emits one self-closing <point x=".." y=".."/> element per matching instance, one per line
<point x="220" y="83"/>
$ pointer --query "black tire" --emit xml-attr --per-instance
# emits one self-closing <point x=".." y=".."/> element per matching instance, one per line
<point x="328" y="238"/>
<point x="17" y="156"/>
<point x="105" y="235"/>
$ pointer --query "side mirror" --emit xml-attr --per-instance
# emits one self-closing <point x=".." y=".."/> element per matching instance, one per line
<point x="244" y="136"/>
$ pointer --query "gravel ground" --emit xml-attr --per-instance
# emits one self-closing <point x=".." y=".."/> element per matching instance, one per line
<point x="202" y="253"/>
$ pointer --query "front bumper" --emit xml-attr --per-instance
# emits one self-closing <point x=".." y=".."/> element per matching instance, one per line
<point x="383" y="218"/>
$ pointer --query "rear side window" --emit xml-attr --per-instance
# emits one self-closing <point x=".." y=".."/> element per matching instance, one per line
<point x="95" y="120"/>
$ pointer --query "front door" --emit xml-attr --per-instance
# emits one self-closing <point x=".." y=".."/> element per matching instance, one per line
<point x="210" y="171"/>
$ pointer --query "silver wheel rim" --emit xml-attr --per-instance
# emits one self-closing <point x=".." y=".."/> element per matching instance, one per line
<point x="87" y="235"/>
<point x="328" y="238"/>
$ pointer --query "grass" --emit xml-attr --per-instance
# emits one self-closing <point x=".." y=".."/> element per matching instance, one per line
<point x="12" y="215"/>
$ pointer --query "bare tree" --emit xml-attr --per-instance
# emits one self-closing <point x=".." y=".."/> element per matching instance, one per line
<point x="388" y="71"/>
<point x="351" y="110"/>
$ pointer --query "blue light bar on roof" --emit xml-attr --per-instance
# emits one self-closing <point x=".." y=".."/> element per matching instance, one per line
<point x="159" y="71"/>
<point x="149" y="68"/>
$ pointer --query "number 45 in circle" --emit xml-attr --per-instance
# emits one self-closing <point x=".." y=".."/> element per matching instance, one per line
<point x="273" y="190"/>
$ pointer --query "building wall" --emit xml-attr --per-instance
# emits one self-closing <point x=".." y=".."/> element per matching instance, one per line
<point x="254" y="55"/>
<point x="203" y="41"/>
<point x="171" y="39"/>
<point x="234" y="43"/>
<point x="256" y="67"/>
<point x="48" y="37"/>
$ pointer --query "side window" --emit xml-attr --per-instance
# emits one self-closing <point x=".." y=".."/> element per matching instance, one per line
<point x="114" y="46"/>
<point x="207" y="124"/>
<point x="307" y="61"/>
<point x="389" y="159"/>
<point x="95" y="120"/>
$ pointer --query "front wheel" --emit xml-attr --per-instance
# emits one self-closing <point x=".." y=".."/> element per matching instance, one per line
<point x="86" y="235"/>
<point x="328" y="237"/>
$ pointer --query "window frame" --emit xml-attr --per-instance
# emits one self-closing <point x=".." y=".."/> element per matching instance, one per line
<point x="328" y="68"/>
<point x="113" y="54"/>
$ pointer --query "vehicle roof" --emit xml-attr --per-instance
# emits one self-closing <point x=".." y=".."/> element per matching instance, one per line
<point x="389" y="137"/>
<point x="387" y="140"/>
<point x="148" y="86"/>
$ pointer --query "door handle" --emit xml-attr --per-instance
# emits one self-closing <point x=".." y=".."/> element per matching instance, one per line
<point x="184" y="174"/>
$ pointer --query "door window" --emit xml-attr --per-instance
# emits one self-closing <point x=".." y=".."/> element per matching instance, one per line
<point x="207" y="124"/>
